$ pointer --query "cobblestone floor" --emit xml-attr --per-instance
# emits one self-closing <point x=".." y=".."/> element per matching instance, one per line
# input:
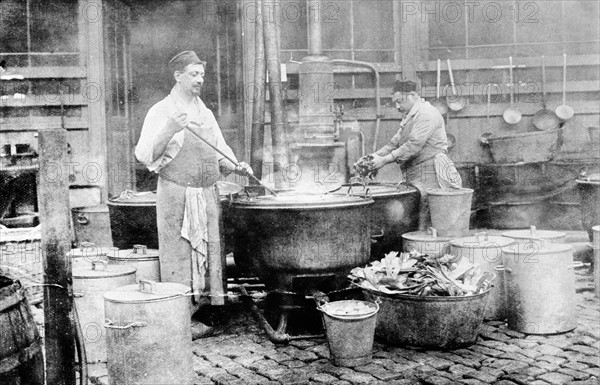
<point x="240" y="352"/>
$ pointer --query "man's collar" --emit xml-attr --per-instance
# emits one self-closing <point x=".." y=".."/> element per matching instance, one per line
<point x="414" y="109"/>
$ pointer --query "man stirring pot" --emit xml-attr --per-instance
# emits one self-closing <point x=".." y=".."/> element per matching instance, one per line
<point x="187" y="199"/>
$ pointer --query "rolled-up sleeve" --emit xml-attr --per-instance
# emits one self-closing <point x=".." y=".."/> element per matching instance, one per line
<point x="154" y="133"/>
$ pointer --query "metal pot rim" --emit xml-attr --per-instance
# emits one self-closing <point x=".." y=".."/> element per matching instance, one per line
<point x="424" y="236"/>
<point x="428" y="298"/>
<point x="332" y="202"/>
<point x="489" y="242"/>
<point x="548" y="248"/>
<point x="115" y="271"/>
<point x="130" y="294"/>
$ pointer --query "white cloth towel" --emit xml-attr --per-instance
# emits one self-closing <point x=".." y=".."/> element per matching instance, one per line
<point x="195" y="230"/>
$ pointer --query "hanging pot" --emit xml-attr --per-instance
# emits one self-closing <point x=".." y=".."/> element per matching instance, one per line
<point x="545" y="119"/>
<point x="511" y="115"/>
<point x="486" y="251"/>
<point x="426" y="242"/>
<point x="540" y="287"/>
<point x="143" y="259"/>
<point x="89" y="285"/>
<point x="148" y="334"/>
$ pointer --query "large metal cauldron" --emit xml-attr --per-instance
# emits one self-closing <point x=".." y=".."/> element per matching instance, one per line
<point x="298" y="242"/>
<point x="395" y="212"/>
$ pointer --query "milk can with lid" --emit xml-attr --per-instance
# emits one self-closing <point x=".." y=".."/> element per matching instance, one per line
<point x="89" y="285"/>
<point x="148" y="334"/>
<point x="540" y="287"/>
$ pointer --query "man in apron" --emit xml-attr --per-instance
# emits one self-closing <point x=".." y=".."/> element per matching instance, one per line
<point x="419" y="147"/>
<point x="187" y="198"/>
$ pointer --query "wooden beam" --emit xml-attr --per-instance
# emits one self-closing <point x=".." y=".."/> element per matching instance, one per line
<point x="529" y="62"/>
<point x="53" y="200"/>
<point x="42" y="122"/>
<point x="43" y="100"/>
<point x="48" y="72"/>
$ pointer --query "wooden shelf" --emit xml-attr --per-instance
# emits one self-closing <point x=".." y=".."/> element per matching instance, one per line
<point x="529" y="62"/>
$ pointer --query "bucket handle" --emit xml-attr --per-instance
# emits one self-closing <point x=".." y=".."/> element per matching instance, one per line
<point x="432" y="231"/>
<point x="503" y="268"/>
<point x="140" y="249"/>
<point x="481" y="234"/>
<point x="377" y="302"/>
<point x="82" y="219"/>
<point x="147" y="286"/>
<point x="136" y="324"/>
<point x="103" y="263"/>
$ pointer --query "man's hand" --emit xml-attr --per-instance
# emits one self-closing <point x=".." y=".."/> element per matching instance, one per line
<point x="244" y="168"/>
<point x="179" y="120"/>
<point x="378" y="162"/>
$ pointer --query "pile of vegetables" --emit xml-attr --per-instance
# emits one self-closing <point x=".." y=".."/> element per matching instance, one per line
<point x="419" y="274"/>
<point x="364" y="167"/>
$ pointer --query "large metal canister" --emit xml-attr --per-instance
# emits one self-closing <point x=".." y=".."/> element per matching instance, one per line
<point x="533" y="234"/>
<point x="92" y="224"/>
<point x="148" y="334"/>
<point x="133" y="219"/>
<point x="426" y="242"/>
<point x="486" y="251"/>
<point x="89" y="285"/>
<point x="596" y="247"/>
<point x="143" y="259"/>
<point x="540" y="287"/>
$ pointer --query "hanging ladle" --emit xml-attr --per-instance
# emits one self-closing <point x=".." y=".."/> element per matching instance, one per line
<point x="455" y="103"/>
<point x="511" y="115"/>
<point x="439" y="103"/>
<point x="563" y="111"/>
<point x="545" y="119"/>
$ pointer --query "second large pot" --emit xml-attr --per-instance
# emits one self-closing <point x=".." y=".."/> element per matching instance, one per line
<point x="395" y="212"/>
<point x="292" y="237"/>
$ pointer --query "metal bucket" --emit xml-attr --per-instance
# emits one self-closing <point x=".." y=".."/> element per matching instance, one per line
<point x="144" y="260"/>
<point x="450" y="210"/>
<point x="485" y="251"/>
<point x="350" y="329"/>
<point x="596" y="247"/>
<point x="148" y="334"/>
<point x="540" y="287"/>
<point x="426" y="242"/>
<point x="89" y="285"/>
<point x="21" y="356"/>
<point x="433" y="322"/>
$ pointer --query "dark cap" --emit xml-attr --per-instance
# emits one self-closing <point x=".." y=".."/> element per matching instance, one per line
<point x="183" y="59"/>
<point x="404" y="86"/>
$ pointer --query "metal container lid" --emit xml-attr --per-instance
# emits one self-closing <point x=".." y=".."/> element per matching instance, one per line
<point x="534" y="249"/>
<point x="101" y="269"/>
<point x="133" y="198"/>
<point x="589" y="179"/>
<point x="146" y="291"/>
<point x="482" y="241"/>
<point x="297" y="201"/>
<point x="425" y="236"/>
<point x="533" y="233"/>
<point x="89" y="250"/>
<point x="138" y="253"/>
<point x="91" y="209"/>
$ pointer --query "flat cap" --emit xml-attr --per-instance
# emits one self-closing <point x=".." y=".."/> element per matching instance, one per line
<point x="183" y="59"/>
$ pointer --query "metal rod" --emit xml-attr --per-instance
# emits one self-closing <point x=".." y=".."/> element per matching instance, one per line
<point x="229" y="159"/>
